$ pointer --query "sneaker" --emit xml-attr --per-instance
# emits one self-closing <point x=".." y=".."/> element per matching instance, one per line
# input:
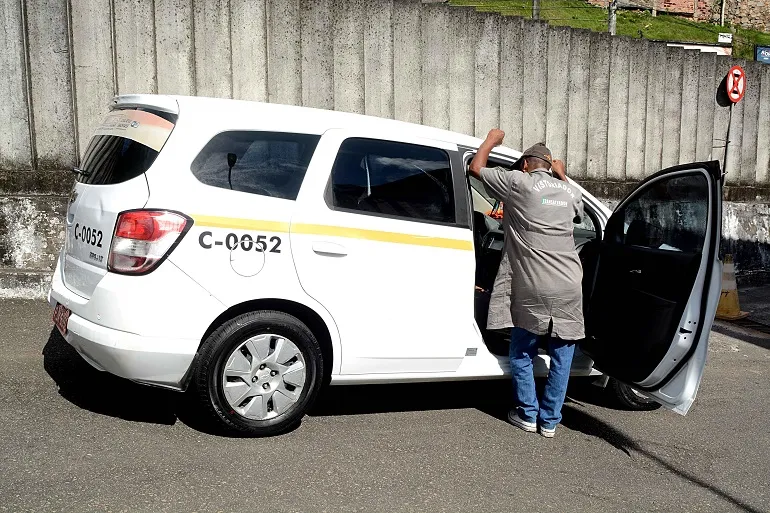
<point x="548" y="433"/>
<point x="513" y="418"/>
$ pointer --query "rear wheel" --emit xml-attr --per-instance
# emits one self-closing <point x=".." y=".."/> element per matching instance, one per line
<point x="630" y="399"/>
<point x="259" y="373"/>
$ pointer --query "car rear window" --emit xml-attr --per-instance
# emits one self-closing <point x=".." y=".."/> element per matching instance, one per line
<point x="124" y="146"/>
<point x="264" y="163"/>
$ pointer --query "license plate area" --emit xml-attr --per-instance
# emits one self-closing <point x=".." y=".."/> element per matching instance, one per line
<point x="61" y="316"/>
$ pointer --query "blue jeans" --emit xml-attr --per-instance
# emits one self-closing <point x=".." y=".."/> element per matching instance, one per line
<point x="523" y="349"/>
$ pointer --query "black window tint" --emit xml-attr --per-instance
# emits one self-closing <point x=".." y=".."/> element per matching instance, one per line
<point x="670" y="214"/>
<point x="110" y="159"/>
<point x="266" y="163"/>
<point x="395" y="179"/>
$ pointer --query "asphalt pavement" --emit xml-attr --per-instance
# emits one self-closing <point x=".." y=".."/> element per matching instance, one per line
<point x="74" y="439"/>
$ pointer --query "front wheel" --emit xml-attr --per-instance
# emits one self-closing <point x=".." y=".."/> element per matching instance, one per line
<point x="630" y="399"/>
<point x="259" y="373"/>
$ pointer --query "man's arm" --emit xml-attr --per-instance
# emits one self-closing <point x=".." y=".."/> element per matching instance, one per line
<point x="494" y="138"/>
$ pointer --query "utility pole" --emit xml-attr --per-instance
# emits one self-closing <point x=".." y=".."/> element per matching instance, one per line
<point x="612" y="7"/>
<point x="722" y="16"/>
<point x="535" y="9"/>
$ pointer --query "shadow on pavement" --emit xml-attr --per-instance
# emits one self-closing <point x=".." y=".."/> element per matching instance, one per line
<point x="582" y="421"/>
<point x="492" y="397"/>
<point x="106" y="394"/>
<point x="745" y="334"/>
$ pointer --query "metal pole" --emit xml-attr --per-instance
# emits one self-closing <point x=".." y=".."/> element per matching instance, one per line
<point x="612" y="7"/>
<point x="535" y="9"/>
<point x="722" y="17"/>
<point x="727" y="139"/>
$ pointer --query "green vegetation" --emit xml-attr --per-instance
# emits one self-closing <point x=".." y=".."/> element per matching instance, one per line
<point x="580" y="14"/>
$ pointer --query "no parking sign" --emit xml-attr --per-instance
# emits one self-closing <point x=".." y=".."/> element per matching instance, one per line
<point x="735" y="84"/>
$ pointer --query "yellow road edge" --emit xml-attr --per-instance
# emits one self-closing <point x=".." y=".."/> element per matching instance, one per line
<point x="333" y="231"/>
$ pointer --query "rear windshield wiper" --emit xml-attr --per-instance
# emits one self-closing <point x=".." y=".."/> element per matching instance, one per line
<point x="80" y="172"/>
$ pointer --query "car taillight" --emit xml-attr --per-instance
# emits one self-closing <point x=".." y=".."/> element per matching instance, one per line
<point x="144" y="238"/>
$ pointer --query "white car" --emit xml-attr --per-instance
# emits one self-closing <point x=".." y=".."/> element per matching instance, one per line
<point x="254" y="252"/>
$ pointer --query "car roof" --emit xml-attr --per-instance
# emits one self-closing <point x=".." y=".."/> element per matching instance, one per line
<point x="315" y="121"/>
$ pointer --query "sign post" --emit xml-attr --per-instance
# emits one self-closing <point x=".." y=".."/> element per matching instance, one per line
<point x="735" y="87"/>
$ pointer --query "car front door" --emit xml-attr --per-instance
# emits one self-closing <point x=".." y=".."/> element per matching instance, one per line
<point x="658" y="283"/>
<point x="381" y="238"/>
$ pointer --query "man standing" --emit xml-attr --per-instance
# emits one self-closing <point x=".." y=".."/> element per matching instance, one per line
<point x="538" y="286"/>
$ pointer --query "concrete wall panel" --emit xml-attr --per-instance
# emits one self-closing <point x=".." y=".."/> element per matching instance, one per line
<point x="598" y="105"/>
<point x="317" y="54"/>
<point x="707" y="85"/>
<point x="213" y="66"/>
<point x="465" y="26"/>
<point x="378" y="58"/>
<point x="656" y="79"/>
<point x="436" y="52"/>
<point x="15" y="139"/>
<point x="688" y="132"/>
<point x="637" y="111"/>
<point x="535" y="58"/>
<point x="417" y="61"/>
<point x="672" y="106"/>
<point x="487" y="76"/>
<point x="174" y="47"/>
<point x="51" y="91"/>
<point x="617" y="122"/>
<point x="511" y="84"/>
<point x="557" y="101"/>
<point x="407" y="61"/>
<point x="135" y="47"/>
<point x="248" y="28"/>
<point x="284" y="52"/>
<point x="763" y="128"/>
<point x="94" y="71"/>
<point x="749" y="142"/>
<point x="349" y="83"/>
<point x="577" y="134"/>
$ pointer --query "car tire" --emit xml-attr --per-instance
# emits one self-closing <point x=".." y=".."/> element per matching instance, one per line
<point x="628" y="399"/>
<point x="258" y="373"/>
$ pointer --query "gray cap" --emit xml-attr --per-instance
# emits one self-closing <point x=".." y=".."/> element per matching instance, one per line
<point x="539" y="150"/>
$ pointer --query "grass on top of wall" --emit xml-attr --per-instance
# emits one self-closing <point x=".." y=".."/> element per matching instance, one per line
<point x="637" y="24"/>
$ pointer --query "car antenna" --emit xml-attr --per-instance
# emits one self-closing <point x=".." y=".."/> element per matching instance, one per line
<point x="232" y="158"/>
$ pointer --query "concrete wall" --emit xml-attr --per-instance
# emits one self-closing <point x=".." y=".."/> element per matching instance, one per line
<point x="616" y="109"/>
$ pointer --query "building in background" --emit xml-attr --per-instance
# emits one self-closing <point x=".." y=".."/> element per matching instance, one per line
<point x="752" y="14"/>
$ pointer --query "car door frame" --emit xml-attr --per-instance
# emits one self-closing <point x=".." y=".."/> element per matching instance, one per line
<point x="656" y="384"/>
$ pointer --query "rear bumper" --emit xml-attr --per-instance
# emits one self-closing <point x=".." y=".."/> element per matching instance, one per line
<point x="160" y="362"/>
<point x="164" y="335"/>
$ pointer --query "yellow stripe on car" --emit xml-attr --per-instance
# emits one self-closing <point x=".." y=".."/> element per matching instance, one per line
<point x="243" y="224"/>
<point x="334" y="231"/>
<point x="380" y="236"/>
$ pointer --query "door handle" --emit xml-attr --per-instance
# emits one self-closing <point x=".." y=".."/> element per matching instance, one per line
<point x="329" y="248"/>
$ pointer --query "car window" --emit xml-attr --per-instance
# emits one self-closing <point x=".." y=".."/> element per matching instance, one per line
<point x="124" y="146"/>
<point x="265" y="163"/>
<point x="393" y="179"/>
<point x="670" y="214"/>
